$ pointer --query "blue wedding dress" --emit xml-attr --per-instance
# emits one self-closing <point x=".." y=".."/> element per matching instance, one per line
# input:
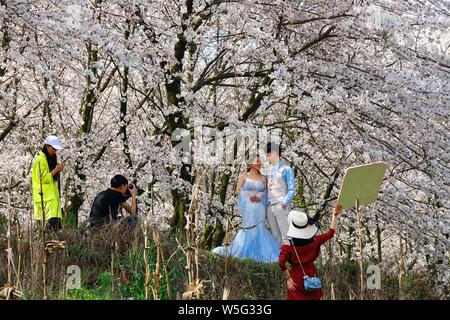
<point x="254" y="240"/>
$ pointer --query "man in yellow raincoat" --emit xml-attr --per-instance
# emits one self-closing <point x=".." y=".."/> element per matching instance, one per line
<point x="46" y="184"/>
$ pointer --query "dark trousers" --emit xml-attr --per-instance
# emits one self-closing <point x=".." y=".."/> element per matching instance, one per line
<point x="51" y="225"/>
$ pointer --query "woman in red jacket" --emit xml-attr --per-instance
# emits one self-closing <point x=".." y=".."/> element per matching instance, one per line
<point x="305" y="244"/>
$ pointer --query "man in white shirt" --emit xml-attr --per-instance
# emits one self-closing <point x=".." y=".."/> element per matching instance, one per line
<point x="281" y="191"/>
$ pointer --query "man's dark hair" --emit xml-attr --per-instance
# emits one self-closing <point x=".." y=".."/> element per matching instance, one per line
<point x="118" y="180"/>
<point x="273" y="147"/>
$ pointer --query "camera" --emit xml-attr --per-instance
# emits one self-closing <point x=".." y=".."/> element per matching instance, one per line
<point x="128" y="193"/>
<point x="131" y="186"/>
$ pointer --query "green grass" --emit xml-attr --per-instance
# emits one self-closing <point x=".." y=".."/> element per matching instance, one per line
<point x="101" y="292"/>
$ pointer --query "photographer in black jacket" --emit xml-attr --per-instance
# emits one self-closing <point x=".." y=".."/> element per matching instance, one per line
<point x="108" y="203"/>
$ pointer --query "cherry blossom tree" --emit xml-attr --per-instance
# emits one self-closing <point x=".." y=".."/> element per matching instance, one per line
<point x="124" y="83"/>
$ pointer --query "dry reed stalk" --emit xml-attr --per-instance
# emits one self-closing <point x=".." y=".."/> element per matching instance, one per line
<point x="54" y="246"/>
<point x="8" y="292"/>
<point x="156" y="285"/>
<point x="178" y="294"/>
<point x="64" y="274"/>
<point x="43" y="236"/>
<point x="50" y="248"/>
<point x="401" y="269"/>
<point x="333" y="297"/>
<point x="147" y="267"/>
<point x="8" y="236"/>
<point x="361" y="258"/>
<point x="33" y="273"/>
<point x="167" y="273"/>
<point x="159" y="258"/>
<point x="226" y="267"/>
<point x="195" y="291"/>
<point x="226" y="293"/>
<point x="20" y="256"/>
<point x="113" y="270"/>
<point x="351" y="293"/>
<point x="195" y="286"/>
<point x="44" y="274"/>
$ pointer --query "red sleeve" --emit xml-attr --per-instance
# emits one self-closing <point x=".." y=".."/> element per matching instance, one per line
<point x="284" y="256"/>
<point x="324" y="237"/>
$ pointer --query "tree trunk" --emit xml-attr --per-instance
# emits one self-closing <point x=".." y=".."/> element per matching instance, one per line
<point x="176" y="120"/>
<point x="124" y="105"/>
<point x="378" y="241"/>
<point x="123" y="120"/>
<point x="87" y="114"/>
<point x="5" y="39"/>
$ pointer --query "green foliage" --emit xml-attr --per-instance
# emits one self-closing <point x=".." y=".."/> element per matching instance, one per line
<point x="135" y="290"/>
<point x="86" y="294"/>
<point x="69" y="221"/>
<point x="248" y="296"/>
<point x="101" y="292"/>
<point x="3" y="220"/>
<point x="75" y="249"/>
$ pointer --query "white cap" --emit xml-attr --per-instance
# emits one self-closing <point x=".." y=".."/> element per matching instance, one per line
<point x="54" y="142"/>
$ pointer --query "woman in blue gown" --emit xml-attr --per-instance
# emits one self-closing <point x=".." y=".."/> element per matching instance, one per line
<point x="254" y="240"/>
